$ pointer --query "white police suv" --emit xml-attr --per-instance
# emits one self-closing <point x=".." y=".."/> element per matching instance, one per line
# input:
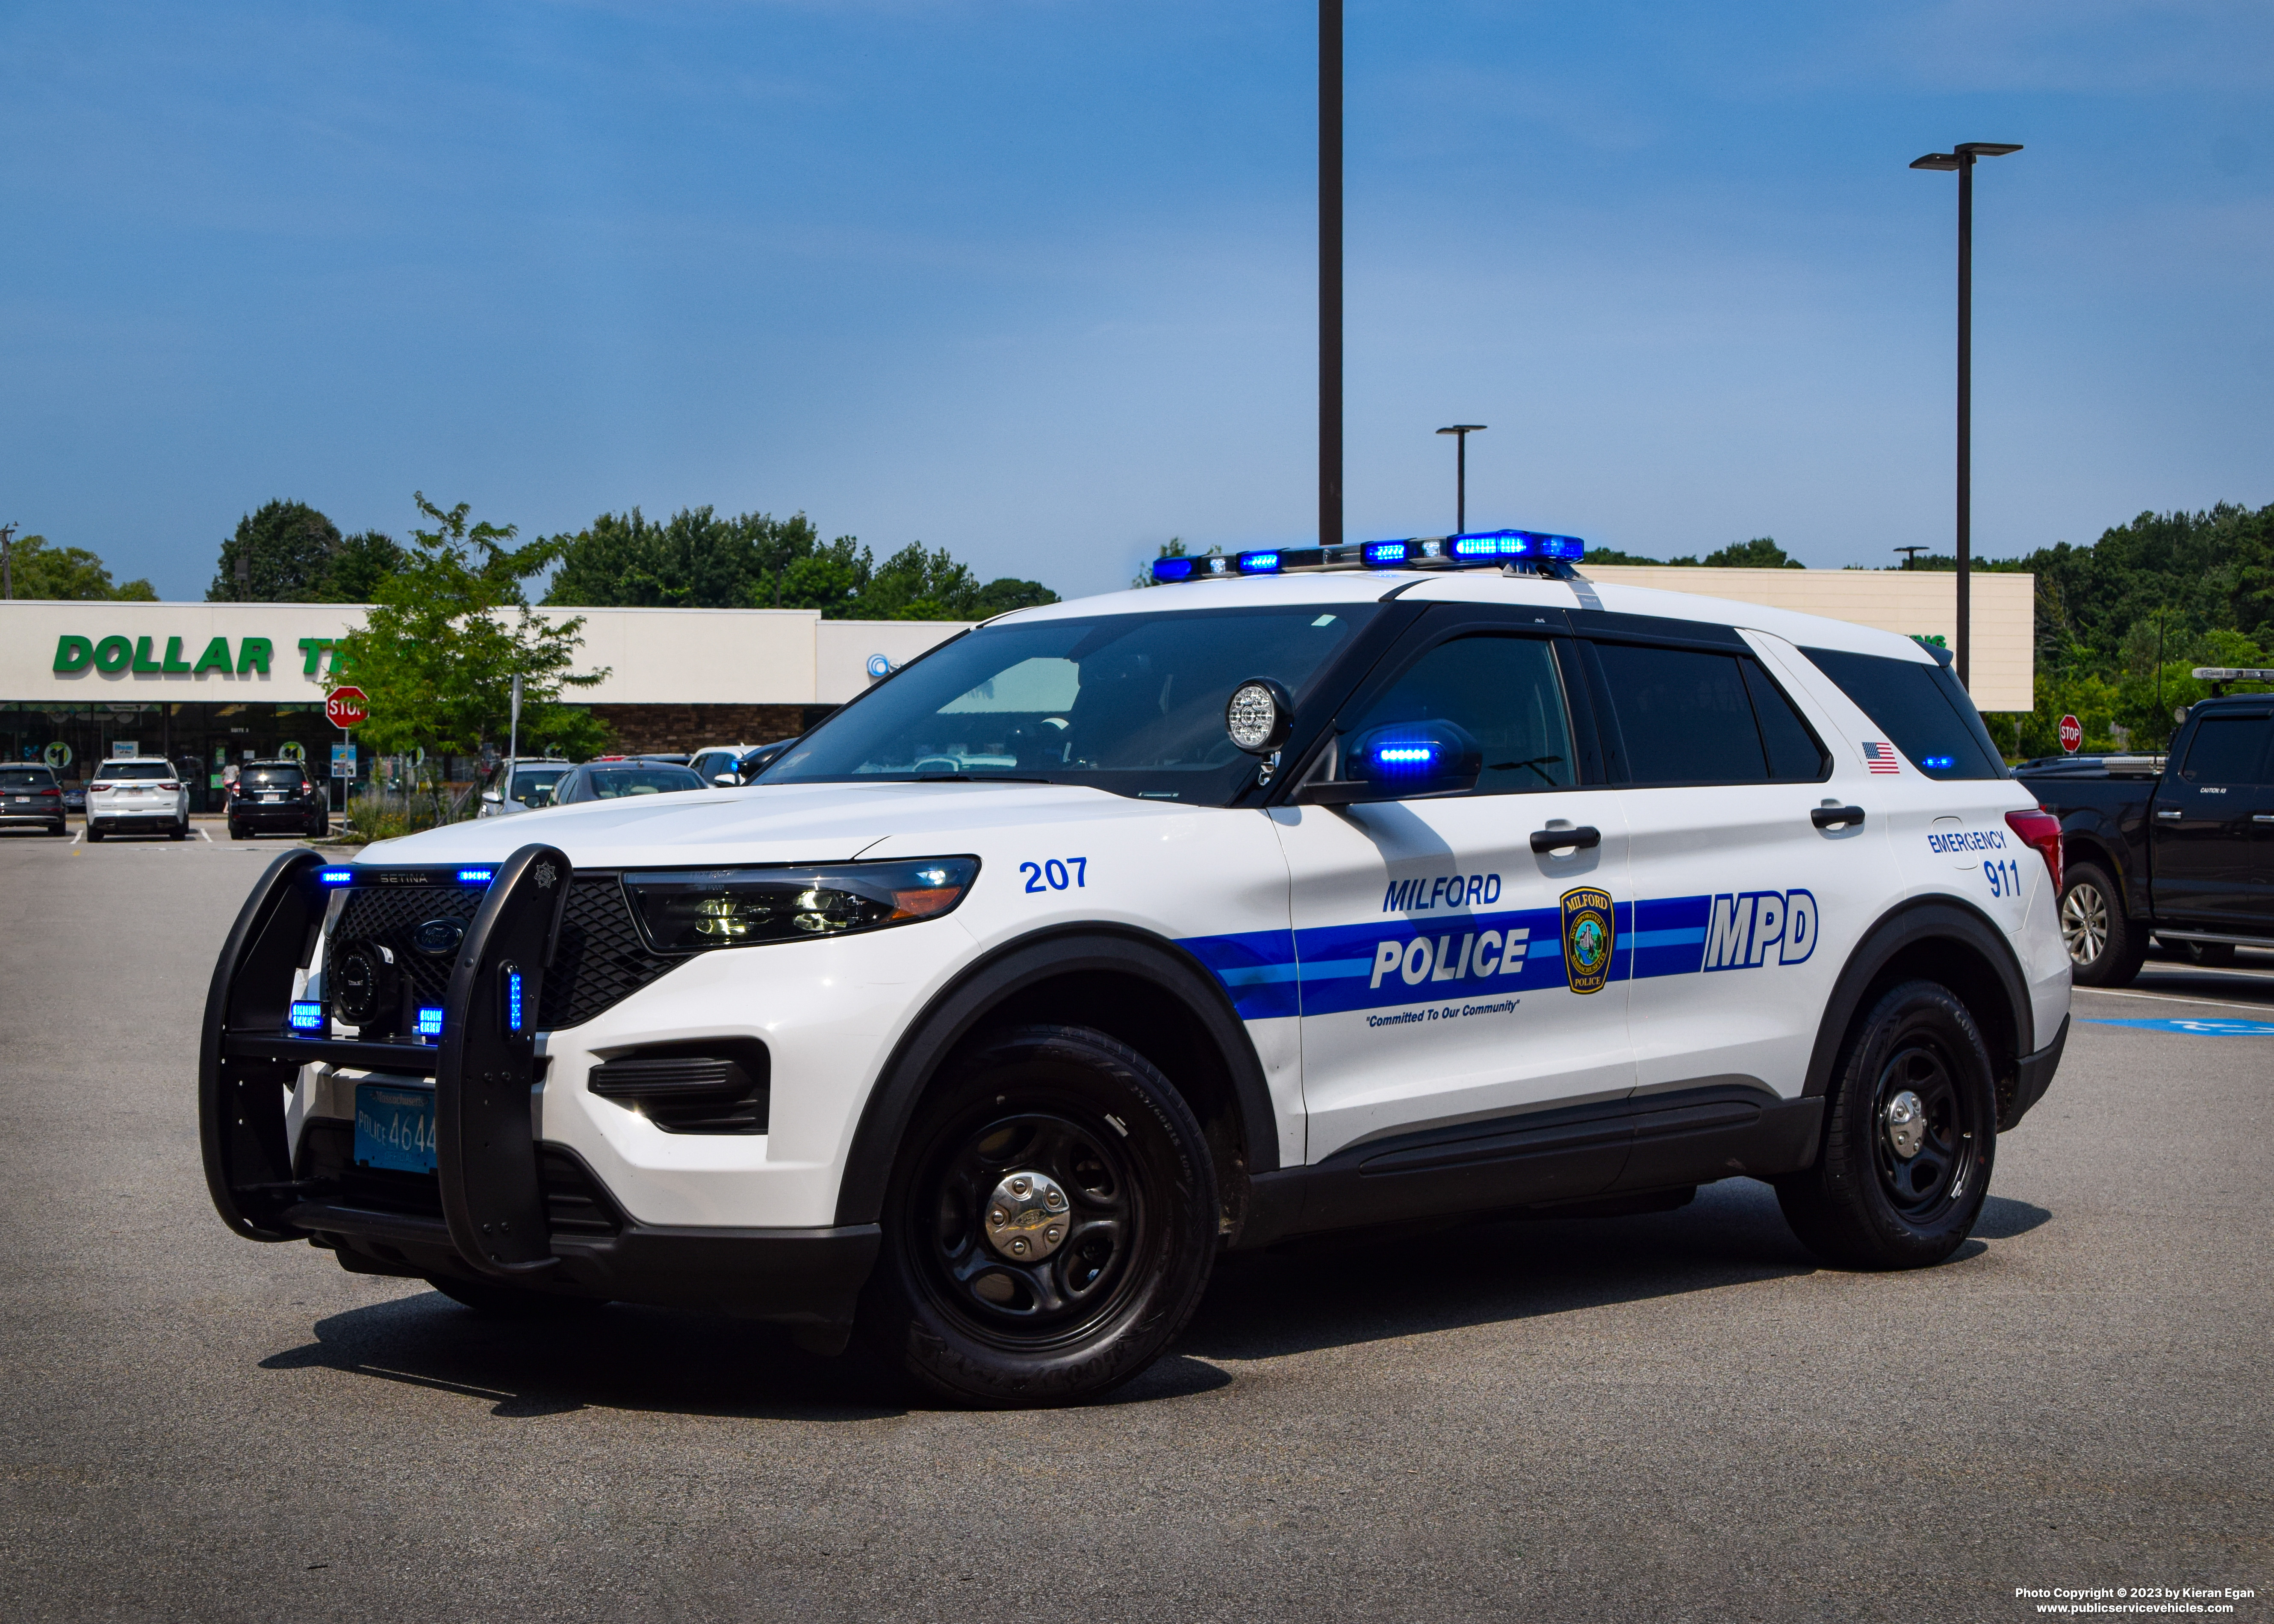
<point x="1324" y="889"/>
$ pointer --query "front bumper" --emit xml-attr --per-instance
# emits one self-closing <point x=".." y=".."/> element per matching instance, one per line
<point x="2033" y="1074"/>
<point x="502" y="1206"/>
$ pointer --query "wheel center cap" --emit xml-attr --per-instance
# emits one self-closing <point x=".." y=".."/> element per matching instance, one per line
<point x="1905" y="1122"/>
<point x="1027" y="1217"/>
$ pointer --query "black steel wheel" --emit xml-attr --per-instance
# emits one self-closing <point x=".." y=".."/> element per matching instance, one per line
<point x="2105" y="947"/>
<point x="1910" y="1135"/>
<point x="1049" y="1227"/>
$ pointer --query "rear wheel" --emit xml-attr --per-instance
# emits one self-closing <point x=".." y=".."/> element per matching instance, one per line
<point x="1051" y="1225"/>
<point x="179" y="832"/>
<point x="92" y="833"/>
<point x="1910" y="1135"/>
<point x="236" y="829"/>
<point x="58" y="829"/>
<point x="2209" y="954"/>
<point x="2104" y="948"/>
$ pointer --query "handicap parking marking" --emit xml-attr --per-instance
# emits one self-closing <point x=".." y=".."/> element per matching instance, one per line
<point x="2198" y="1029"/>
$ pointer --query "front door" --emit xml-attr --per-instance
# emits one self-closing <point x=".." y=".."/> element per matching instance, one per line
<point x="1450" y="973"/>
<point x="2201" y="851"/>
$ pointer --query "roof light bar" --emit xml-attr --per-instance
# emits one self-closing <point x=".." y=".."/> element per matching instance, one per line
<point x="1468" y="550"/>
<point x="1262" y="561"/>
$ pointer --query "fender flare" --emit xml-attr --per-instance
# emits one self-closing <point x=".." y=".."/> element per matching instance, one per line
<point x="959" y="1009"/>
<point x="1906" y="925"/>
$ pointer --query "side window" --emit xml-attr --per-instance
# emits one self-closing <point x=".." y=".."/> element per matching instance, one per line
<point x="1683" y="715"/>
<point x="2226" y="750"/>
<point x="1505" y="692"/>
<point x="1795" y="755"/>
<point x="1927" y="715"/>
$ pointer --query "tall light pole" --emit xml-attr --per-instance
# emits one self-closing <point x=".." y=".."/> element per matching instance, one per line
<point x="7" y="562"/>
<point x="1962" y="158"/>
<point x="1331" y="273"/>
<point x="1460" y="431"/>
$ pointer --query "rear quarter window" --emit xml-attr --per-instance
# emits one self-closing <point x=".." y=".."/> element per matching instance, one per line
<point x="1920" y="707"/>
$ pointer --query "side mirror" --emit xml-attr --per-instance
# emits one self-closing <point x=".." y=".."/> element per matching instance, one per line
<point x="725" y="780"/>
<point x="1259" y="715"/>
<point x="1404" y="761"/>
<point x="493" y="797"/>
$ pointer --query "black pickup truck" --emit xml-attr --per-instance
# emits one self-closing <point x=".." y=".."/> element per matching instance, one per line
<point x="2179" y="847"/>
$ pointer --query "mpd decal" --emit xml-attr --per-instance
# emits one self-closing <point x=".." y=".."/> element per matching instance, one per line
<point x="1331" y="969"/>
<point x="1589" y="934"/>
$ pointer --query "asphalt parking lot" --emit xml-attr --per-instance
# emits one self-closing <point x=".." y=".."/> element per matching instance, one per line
<point x="1671" y="1417"/>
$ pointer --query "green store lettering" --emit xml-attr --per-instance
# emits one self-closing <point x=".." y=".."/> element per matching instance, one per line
<point x="111" y="655"/>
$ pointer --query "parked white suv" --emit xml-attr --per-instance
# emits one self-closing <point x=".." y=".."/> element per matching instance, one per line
<point x="1115" y="934"/>
<point x="141" y="794"/>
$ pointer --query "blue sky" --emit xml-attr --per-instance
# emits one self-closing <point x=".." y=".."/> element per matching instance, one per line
<point x="1034" y="282"/>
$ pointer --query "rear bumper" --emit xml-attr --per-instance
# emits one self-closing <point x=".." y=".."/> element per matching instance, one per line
<point x="2032" y="1076"/>
<point x="45" y="819"/>
<point x="136" y="822"/>
<point x="290" y="815"/>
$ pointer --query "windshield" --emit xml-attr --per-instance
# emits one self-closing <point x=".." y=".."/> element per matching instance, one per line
<point x="532" y="786"/>
<point x="1133" y="703"/>
<point x="607" y="783"/>
<point x="119" y="771"/>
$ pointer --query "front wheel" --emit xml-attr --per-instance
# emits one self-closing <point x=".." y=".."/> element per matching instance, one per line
<point x="1910" y="1134"/>
<point x="1049" y="1227"/>
<point x="2104" y="948"/>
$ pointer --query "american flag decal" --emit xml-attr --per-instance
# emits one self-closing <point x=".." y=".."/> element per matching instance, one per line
<point x="1881" y="757"/>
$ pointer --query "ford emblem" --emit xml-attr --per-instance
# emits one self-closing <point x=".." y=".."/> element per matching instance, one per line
<point x="439" y="938"/>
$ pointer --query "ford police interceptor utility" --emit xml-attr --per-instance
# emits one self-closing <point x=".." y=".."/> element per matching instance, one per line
<point x="1325" y="889"/>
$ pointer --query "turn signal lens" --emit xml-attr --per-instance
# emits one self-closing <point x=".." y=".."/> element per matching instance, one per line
<point x="2042" y="830"/>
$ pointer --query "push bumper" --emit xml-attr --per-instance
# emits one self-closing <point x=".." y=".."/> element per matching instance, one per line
<point x="493" y="1210"/>
<point x="2032" y="1076"/>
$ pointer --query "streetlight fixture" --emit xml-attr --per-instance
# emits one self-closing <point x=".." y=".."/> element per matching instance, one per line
<point x="1908" y="553"/>
<point x="1460" y="431"/>
<point x="1962" y="158"/>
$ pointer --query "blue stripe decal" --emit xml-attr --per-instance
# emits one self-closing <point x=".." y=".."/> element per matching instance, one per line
<point x="1333" y="969"/>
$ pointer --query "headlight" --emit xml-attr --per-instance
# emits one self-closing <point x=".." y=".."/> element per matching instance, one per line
<point x="686" y="910"/>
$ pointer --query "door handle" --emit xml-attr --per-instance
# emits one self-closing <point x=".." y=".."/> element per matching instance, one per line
<point x="2262" y="817"/>
<point x="2167" y="812"/>
<point x="1833" y="817"/>
<point x="1587" y="837"/>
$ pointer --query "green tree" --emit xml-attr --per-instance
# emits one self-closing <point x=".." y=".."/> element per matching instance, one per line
<point x="1761" y="552"/>
<point x="290" y="547"/>
<point x="698" y="560"/>
<point x="361" y="563"/>
<point x="41" y="569"/>
<point x="447" y="632"/>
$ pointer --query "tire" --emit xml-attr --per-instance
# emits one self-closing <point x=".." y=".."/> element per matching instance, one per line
<point x="511" y="1302"/>
<point x="2104" y="948"/>
<point x="93" y="835"/>
<point x="237" y="830"/>
<point x="1864" y="1204"/>
<point x="955" y="1310"/>
<point x="59" y="829"/>
<point x="179" y="832"/>
<point x="2210" y="955"/>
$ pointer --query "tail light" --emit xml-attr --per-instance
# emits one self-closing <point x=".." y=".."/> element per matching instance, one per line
<point x="171" y="784"/>
<point x="2042" y="830"/>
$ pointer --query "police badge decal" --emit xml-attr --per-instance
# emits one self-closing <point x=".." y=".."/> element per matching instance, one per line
<point x="1588" y="939"/>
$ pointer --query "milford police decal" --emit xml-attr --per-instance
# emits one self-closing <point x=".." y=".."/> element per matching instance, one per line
<point x="1588" y="939"/>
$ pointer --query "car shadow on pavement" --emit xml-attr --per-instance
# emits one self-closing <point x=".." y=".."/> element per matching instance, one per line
<point x="1332" y="1292"/>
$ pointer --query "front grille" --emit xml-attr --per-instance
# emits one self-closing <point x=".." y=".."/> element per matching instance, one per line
<point x="601" y="960"/>
<point x="575" y="1204"/>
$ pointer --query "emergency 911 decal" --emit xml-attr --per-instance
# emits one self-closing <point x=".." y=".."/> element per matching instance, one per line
<point x="1581" y="945"/>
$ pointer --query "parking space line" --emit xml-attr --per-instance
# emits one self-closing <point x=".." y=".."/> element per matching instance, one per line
<point x="2169" y="997"/>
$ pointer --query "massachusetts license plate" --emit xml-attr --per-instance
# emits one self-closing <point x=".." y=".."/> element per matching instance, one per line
<point x="394" y="1128"/>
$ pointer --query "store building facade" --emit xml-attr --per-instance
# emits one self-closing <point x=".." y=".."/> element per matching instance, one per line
<point x="207" y="685"/>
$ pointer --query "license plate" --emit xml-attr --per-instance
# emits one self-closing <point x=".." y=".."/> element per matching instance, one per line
<point x="394" y="1128"/>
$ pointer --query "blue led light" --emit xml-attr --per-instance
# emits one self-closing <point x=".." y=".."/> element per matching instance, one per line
<point x="1397" y="754"/>
<point x="307" y="1016"/>
<point x="1568" y="548"/>
<point x="430" y="1021"/>
<point x="335" y="877"/>
<point x="1262" y="561"/>
<point x="1168" y="570"/>
<point x="1937" y="761"/>
<point x="1379" y="553"/>
<point x="476" y="876"/>
<point x="512" y="999"/>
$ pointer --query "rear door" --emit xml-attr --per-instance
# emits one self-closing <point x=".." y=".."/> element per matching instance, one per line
<point x="1448" y="972"/>
<point x="1745" y="910"/>
<point x="2207" y="855"/>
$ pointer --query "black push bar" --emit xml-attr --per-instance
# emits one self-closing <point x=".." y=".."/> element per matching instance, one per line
<point x="484" y="1067"/>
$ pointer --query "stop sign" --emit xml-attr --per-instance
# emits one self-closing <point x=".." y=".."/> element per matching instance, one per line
<point x="347" y="706"/>
<point x="2072" y="734"/>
